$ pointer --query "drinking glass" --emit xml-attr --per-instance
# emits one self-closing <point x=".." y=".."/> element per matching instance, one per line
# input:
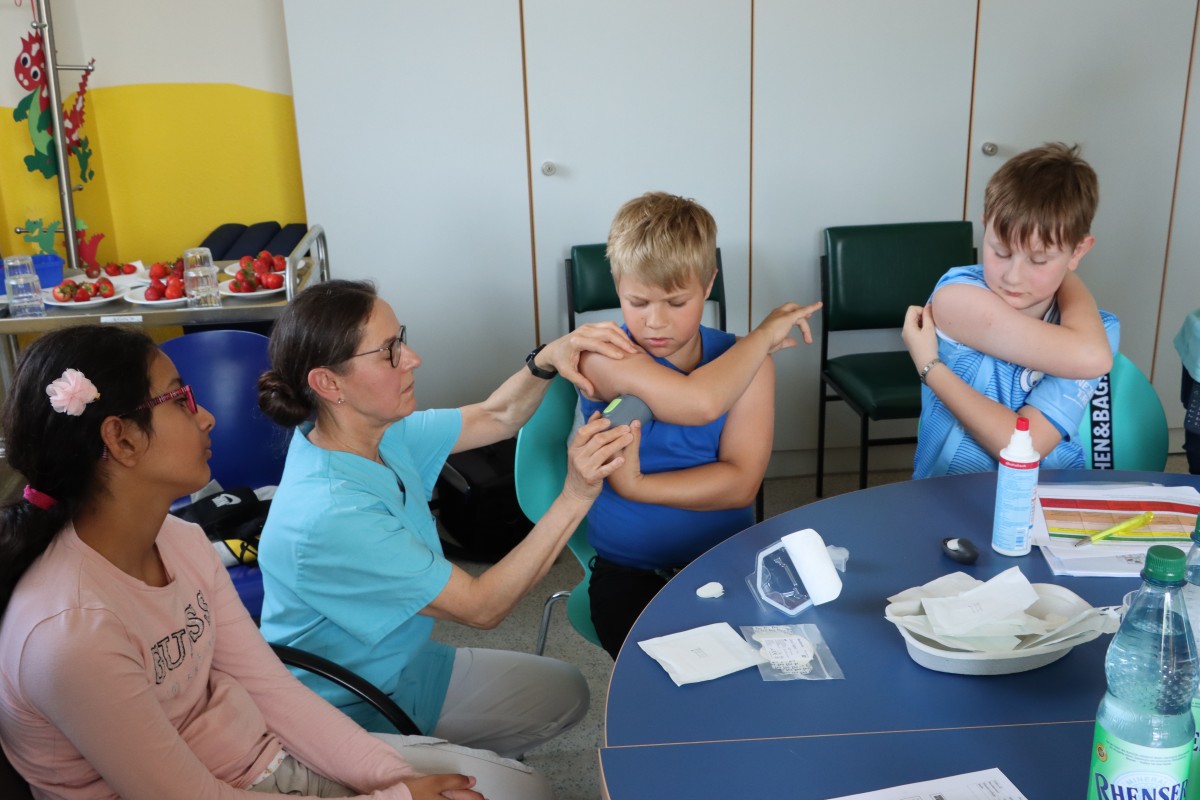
<point x="23" y="288"/>
<point x="200" y="278"/>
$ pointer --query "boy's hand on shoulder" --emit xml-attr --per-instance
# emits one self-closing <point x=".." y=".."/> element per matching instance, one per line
<point x="604" y="338"/>
<point x="624" y="480"/>
<point x="594" y="454"/>
<point x="779" y="323"/>
<point x="920" y="335"/>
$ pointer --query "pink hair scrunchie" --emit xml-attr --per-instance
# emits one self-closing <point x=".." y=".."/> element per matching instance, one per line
<point x="40" y="499"/>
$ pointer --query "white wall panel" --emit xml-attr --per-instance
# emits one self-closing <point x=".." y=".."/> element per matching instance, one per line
<point x="1182" y="288"/>
<point x="631" y="96"/>
<point x="860" y="117"/>
<point x="1110" y="76"/>
<point x="412" y="139"/>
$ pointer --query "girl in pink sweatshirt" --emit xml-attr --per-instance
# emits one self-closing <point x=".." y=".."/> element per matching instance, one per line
<point x="128" y="666"/>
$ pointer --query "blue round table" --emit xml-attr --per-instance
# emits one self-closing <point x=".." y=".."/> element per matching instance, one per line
<point x="890" y="721"/>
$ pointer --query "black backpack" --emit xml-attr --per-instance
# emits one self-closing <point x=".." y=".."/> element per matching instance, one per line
<point x="477" y="503"/>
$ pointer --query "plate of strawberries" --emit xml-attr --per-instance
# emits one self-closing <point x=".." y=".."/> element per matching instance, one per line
<point x="78" y="293"/>
<point x="260" y="264"/>
<point x="249" y="286"/>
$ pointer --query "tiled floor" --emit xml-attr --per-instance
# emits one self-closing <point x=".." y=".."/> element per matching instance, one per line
<point x="570" y="762"/>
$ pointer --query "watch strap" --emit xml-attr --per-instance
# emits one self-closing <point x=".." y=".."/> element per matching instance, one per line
<point x="538" y="372"/>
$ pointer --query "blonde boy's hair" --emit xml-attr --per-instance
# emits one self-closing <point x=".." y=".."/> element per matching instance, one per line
<point x="1048" y="193"/>
<point x="662" y="240"/>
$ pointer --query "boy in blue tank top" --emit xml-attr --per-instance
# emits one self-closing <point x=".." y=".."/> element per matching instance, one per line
<point x="691" y="474"/>
<point x="1018" y="335"/>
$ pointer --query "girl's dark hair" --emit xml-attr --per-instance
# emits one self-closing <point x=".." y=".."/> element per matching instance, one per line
<point x="56" y="452"/>
<point x="322" y="327"/>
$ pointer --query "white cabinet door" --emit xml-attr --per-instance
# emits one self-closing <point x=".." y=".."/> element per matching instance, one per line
<point x="411" y="123"/>
<point x="1181" y="293"/>
<point x="1109" y="75"/>
<point x="631" y="96"/>
<point x="860" y="117"/>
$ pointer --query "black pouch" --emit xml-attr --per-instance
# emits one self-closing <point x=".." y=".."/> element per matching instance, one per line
<point x="234" y="516"/>
<point x="477" y="503"/>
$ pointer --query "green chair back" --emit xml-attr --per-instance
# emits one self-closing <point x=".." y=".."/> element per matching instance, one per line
<point x="1125" y="428"/>
<point x="590" y="284"/>
<point x="870" y="275"/>
<point x="540" y="467"/>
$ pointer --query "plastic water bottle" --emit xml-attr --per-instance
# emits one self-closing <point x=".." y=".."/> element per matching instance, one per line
<point x="1144" y="727"/>
<point x="1016" y="489"/>
<point x="1191" y="598"/>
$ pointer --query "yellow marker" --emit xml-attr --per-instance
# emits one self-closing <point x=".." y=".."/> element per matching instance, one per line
<point x="1128" y="525"/>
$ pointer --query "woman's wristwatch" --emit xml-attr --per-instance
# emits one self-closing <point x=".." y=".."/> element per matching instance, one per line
<point x="538" y="372"/>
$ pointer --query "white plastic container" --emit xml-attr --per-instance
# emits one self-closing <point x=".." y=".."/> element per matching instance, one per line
<point x="1016" y="490"/>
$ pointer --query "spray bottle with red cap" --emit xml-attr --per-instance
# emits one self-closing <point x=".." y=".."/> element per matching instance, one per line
<point x="1016" y="491"/>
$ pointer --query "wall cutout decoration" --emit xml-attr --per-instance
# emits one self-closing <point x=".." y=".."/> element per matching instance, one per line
<point x="30" y="71"/>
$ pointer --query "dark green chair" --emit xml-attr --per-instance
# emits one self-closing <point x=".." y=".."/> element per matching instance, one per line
<point x="870" y="275"/>
<point x="590" y="287"/>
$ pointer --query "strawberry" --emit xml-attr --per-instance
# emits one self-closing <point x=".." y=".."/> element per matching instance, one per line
<point x="250" y="278"/>
<point x="64" y="292"/>
<point x="112" y="268"/>
<point x="272" y="280"/>
<point x="159" y="270"/>
<point x="173" y="292"/>
<point x="177" y="270"/>
<point x="265" y="254"/>
<point x="280" y="263"/>
<point x="105" y="288"/>
<point x="128" y="269"/>
<point x="155" y="292"/>
<point x="262" y="266"/>
<point x="246" y="262"/>
<point x="238" y="286"/>
<point x="83" y="293"/>
<point x="91" y="271"/>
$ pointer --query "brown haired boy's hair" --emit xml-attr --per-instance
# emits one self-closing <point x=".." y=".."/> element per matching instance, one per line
<point x="1048" y="193"/>
<point x="662" y="240"/>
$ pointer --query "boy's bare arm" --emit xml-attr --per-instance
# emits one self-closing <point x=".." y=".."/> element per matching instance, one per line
<point x="1076" y="348"/>
<point x="730" y="482"/>
<point x="989" y="423"/>
<point x="708" y="391"/>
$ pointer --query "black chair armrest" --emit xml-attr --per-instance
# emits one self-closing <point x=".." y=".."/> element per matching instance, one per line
<point x="350" y="681"/>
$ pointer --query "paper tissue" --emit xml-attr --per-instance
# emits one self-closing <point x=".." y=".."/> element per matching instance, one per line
<point x="959" y="624"/>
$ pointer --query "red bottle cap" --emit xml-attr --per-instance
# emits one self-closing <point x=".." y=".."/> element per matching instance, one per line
<point x="1022" y="424"/>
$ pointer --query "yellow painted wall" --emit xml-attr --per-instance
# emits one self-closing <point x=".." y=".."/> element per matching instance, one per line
<point x="172" y="161"/>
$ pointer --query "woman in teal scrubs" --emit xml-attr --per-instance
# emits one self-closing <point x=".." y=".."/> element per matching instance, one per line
<point x="352" y="565"/>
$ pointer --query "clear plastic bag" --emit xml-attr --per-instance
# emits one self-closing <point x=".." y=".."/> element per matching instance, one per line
<point x="792" y="653"/>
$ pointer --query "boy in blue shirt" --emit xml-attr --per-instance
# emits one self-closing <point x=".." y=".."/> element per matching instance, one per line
<point x="691" y="474"/>
<point x="1018" y="335"/>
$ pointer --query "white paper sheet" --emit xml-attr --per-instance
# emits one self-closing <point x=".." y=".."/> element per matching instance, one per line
<point x="1100" y="505"/>
<point x="987" y="784"/>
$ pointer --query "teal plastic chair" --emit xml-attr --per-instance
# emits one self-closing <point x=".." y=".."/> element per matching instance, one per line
<point x="1125" y="428"/>
<point x="539" y="471"/>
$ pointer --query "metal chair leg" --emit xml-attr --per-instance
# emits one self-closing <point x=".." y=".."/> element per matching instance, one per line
<point x="862" y="454"/>
<point x="546" y="611"/>
<point x="821" y="440"/>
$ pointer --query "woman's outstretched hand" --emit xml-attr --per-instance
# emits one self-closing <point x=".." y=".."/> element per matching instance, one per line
<point x="594" y="454"/>
<point x="605" y="338"/>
